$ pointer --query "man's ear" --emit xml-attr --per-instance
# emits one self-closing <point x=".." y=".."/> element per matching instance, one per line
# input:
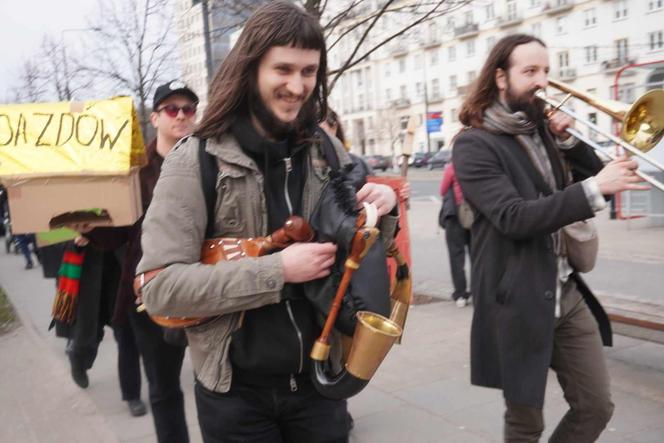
<point x="153" y="119"/>
<point x="501" y="79"/>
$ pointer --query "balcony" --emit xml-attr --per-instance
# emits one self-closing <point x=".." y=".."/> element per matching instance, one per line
<point x="431" y="42"/>
<point x="401" y="103"/>
<point x="567" y="74"/>
<point x="463" y="89"/>
<point x="611" y="66"/>
<point x="435" y="98"/>
<point x="509" y="21"/>
<point x="467" y="31"/>
<point x="398" y="49"/>
<point x="558" y="7"/>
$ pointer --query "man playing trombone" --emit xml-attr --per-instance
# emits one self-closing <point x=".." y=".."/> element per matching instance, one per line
<point x="526" y="179"/>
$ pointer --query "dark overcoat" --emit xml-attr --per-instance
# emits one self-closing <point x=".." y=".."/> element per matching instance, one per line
<point x="514" y="267"/>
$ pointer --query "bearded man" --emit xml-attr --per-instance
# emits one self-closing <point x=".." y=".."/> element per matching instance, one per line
<point x="527" y="178"/>
<point x="261" y="126"/>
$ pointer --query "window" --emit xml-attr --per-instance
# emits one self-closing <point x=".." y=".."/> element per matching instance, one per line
<point x="451" y="53"/>
<point x="418" y="89"/>
<point x="433" y="32"/>
<point x="450" y="22"/>
<point x="490" y="42"/>
<point x="563" y="59"/>
<point x="434" y="58"/>
<point x="468" y="17"/>
<point x="591" y="54"/>
<point x="388" y="94"/>
<point x="511" y="10"/>
<point x="625" y="93"/>
<point x="402" y="65"/>
<point x="471" y="76"/>
<point x="655" y="4"/>
<point x="536" y="29"/>
<point x="470" y="48"/>
<point x="535" y="3"/>
<point x="621" y="49"/>
<point x="453" y="82"/>
<point x="453" y="115"/>
<point x="387" y="69"/>
<point x="403" y="91"/>
<point x="620" y="9"/>
<point x="490" y="11"/>
<point x="561" y="24"/>
<point x="418" y="62"/>
<point x="655" y="39"/>
<point x="435" y="88"/>
<point x="590" y="17"/>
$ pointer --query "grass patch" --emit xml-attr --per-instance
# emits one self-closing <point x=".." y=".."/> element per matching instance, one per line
<point x="7" y="314"/>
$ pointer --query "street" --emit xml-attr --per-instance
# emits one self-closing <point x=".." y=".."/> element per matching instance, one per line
<point x="421" y="393"/>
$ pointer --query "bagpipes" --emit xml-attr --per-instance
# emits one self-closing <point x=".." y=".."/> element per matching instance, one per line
<point x="355" y="297"/>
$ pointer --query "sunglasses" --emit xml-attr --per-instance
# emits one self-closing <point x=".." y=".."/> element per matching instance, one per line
<point x="173" y="110"/>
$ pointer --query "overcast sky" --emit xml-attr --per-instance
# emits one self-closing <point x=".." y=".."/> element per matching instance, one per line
<point x="25" y="22"/>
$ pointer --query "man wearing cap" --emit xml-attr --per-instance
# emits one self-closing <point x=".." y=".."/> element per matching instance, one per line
<point x="173" y="117"/>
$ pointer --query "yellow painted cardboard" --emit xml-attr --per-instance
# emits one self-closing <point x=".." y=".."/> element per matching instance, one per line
<point x="97" y="137"/>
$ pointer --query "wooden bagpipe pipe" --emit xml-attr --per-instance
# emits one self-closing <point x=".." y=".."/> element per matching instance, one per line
<point x="358" y="300"/>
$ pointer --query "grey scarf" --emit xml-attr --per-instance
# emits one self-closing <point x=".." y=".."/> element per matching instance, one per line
<point x="499" y="119"/>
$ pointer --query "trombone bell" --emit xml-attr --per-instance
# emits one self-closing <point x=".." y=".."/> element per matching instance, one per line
<point x="643" y="126"/>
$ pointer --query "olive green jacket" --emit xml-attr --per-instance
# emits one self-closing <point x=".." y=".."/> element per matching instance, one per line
<point x="174" y="230"/>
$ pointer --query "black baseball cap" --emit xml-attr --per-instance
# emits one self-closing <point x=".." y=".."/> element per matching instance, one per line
<point x="171" y="88"/>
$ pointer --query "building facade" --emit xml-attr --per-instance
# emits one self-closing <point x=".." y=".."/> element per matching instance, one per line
<point x="426" y="73"/>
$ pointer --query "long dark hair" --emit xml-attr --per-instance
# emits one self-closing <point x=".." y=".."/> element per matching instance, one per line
<point x="332" y="119"/>
<point x="485" y="90"/>
<point x="278" y="23"/>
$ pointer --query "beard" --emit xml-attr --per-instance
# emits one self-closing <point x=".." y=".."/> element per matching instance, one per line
<point x="526" y="103"/>
<point x="278" y="129"/>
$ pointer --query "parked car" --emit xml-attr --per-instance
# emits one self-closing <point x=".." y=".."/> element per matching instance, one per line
<point x="439" y="159"/>
<point x="419" y="159"/>
<point x="381" y="162"/>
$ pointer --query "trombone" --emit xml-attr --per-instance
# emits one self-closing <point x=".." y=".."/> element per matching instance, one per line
<point x="642" y="123"/>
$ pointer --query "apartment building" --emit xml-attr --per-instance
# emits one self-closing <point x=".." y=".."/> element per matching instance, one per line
<point x="427" y="72"/>
<point x="191" y="43"/>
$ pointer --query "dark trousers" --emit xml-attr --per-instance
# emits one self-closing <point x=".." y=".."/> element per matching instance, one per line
<point x="23" y="242"/>
<point x="162" y="363"/>
<point x="578" y="360"/>
<point x="129" y="369"/>
<point x="270" y="415"/>
<point x="458" y="239"/>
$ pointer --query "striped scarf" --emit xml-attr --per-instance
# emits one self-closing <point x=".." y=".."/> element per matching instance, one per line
<point x="69" y="277"/>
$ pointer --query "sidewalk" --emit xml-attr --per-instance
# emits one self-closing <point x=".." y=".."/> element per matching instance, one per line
<point x="420" y="394"/>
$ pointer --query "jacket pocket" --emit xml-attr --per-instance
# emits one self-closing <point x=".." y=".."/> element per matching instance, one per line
<point x="209" y="335"/>
<point x="506" y="282"/>
<point x="229" y="220"/>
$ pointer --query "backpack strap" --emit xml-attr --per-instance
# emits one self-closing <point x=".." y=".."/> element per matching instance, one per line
<point x="209" y="170"/>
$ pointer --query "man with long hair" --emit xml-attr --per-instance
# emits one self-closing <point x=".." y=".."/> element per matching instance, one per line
<point x="251" y="361"/>
<point x="527" y="179"/>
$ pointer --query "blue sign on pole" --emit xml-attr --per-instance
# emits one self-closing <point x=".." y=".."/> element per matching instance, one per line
<point x="434" y="121"/>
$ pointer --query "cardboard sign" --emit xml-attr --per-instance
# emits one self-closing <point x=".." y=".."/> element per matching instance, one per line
<point x="39" y="204"/>
<point x="100" y="137"/>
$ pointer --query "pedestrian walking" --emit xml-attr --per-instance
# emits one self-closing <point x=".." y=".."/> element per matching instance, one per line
<point x="162" y="351"/>
<point x="527" y="180"/>
<point x="457" y="237"/>
<point x="260" y="127"/>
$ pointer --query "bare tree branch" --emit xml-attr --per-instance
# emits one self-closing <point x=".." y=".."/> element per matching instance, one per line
<point x="132" y="47"/>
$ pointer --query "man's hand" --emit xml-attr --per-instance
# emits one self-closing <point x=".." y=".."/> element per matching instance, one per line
<point x="558" y="124"/>
<point x="81" y="241"/>
<point x="404" y="191"/>
<point x="307" y="261"/>
<point x="81" y="228"/>
<point x="619" y="175"/>
<point x="380" y="195"/>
